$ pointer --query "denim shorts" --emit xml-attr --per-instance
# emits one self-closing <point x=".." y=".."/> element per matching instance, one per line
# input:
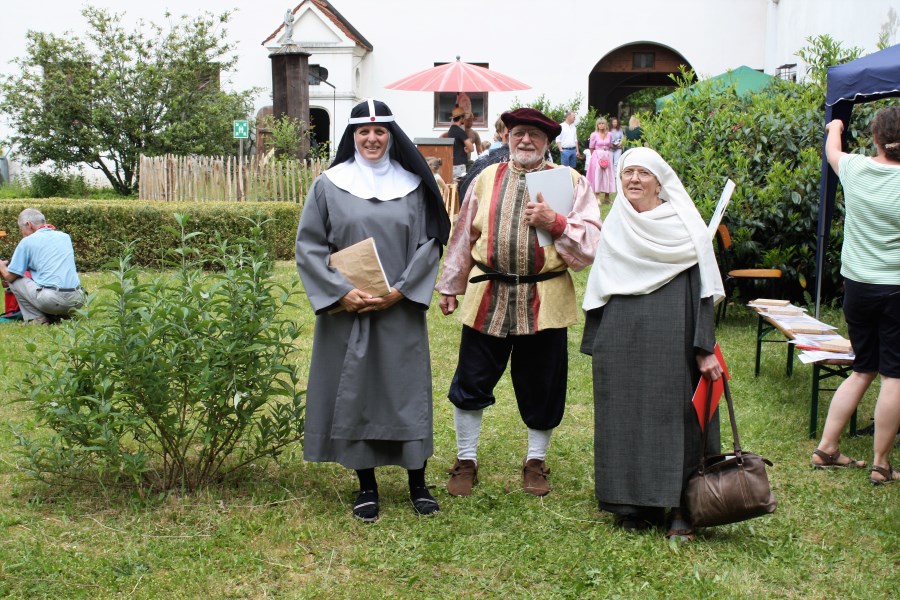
<point x="872" y="312"/>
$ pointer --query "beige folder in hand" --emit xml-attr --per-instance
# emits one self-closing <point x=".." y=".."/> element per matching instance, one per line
<point x="361" y="266"/>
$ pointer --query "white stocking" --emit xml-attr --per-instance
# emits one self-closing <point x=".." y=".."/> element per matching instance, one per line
<point x="538" y="440"/>
<point x="468" y="429"/>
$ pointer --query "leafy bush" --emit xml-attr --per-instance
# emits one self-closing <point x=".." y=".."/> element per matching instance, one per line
<point x="55" y="184"/>
<point x="172" y="382"/>
<point x="58" y="184"/>
<point x="18" y="187"/>
<point x="644" y="100"/>
<point x="770" y="144"/>
<point x="99" y="227"/>
<point x="287" y="135"/>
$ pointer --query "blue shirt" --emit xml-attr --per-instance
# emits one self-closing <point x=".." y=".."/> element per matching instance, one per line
<point x="48" y="254"/>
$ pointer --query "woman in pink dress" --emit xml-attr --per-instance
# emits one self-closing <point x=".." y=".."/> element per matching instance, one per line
<point x="600" y="172"/>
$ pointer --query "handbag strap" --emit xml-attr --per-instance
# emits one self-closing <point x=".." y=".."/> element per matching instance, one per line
<point x="734" y="431"/>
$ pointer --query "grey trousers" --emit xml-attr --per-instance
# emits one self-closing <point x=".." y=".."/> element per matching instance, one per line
<point x="37" y="302"/>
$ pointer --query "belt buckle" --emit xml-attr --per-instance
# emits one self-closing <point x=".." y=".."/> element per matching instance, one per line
<point x="517" y="278"/>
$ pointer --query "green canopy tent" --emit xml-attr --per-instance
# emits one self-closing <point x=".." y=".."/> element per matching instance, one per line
<point x="744" y="79"/>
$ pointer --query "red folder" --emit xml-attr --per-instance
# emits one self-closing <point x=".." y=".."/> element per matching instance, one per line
<point x="699" y="399"/>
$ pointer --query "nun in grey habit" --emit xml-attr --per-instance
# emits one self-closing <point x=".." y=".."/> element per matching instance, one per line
<point x="649" y="328"/>
<point x="369" y="396"/>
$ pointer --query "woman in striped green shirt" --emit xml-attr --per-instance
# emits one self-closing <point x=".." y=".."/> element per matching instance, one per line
<point x="870" y="264"/>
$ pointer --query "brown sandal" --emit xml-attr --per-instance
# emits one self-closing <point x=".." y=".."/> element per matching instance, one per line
<point x="680" y="529"/>
<point x="889" y="474"/>
<point x="830" y="461"/>
<point x="682" y="535"/>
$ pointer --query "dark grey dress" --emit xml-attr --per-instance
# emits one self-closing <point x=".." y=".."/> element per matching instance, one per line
<point x="369" y="397"/>
<point x="646" y="433"/>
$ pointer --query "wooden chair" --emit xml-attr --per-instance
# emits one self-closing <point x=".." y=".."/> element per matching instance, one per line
<point x="731" y="277"/>
<point x="451" y="200"/>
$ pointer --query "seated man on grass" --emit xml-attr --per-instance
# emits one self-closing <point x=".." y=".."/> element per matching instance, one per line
<point x="53" y="291"/>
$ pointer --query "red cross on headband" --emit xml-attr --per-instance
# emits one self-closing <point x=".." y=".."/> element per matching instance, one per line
<point x="372" y="118"/>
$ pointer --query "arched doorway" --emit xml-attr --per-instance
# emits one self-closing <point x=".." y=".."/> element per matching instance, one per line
<point x="628" y="69"/>
<point x="320" y="122"/>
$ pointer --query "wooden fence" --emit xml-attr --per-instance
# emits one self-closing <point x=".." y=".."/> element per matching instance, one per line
<point x="203" y="178"/>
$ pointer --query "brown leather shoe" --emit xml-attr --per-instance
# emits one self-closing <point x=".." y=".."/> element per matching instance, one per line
<point x="534" y="477"/>
<point x="463" y="476"/>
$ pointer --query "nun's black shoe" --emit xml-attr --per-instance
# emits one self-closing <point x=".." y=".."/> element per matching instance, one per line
<point x="632" y="523"/>
<point x="423" y="502"/>
<point x="366" y="506"/>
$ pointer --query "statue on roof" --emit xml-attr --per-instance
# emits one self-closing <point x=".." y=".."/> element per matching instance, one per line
<point x="288" y="37"/>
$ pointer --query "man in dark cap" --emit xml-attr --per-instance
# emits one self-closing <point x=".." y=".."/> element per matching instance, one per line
<point x="519" y="296"/>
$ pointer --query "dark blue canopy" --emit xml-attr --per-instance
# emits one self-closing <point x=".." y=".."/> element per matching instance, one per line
<point x="865" y="79"/>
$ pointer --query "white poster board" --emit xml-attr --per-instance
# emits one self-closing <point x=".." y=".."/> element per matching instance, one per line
<point x="721" y="205"/>
<point x="556" y="187"/>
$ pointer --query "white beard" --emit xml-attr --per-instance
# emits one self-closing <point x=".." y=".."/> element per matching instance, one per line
<point x="527" y="158"/>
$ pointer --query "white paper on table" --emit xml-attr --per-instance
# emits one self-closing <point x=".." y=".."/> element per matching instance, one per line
<point x="768" y="306"/>
<point x="556" y="187"/>
<point x="789" y="310"/>
<point x="812" y="339"/>
<point x="811" y="356"/>
<point x="721" y="205"/>
<point x="790" y="321"/>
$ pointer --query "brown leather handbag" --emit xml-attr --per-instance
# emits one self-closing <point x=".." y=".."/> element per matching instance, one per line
<point x="728" y="488"/>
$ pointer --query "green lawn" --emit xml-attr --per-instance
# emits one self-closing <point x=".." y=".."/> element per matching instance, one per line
<point x="286" y="531"/>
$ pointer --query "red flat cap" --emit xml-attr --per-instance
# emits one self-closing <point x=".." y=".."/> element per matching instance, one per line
<point x="531" y="116"/>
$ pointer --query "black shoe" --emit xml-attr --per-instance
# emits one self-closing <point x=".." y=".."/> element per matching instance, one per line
<point x="366" y="506"/>
<point x="632" y="523"/>
<point x="423" y="502"/>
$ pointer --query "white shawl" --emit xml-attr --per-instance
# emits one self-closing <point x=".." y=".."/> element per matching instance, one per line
<point x="383" y="179"/>
<point x="641" y="252"/>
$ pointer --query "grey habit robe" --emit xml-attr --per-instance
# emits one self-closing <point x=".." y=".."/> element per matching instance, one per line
<point x="646" y="433"/>
<point x="369" y="397"/>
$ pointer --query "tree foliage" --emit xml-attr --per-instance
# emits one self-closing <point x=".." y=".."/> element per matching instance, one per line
<point x="770" y="144"/>
<point x="823" y="51"/>
<point x="172" y="381"/>
<point x="104" y="99"/>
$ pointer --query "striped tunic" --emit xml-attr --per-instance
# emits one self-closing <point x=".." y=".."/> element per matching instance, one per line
<point x="491" y="230"/>
<point x="871" y="250"/>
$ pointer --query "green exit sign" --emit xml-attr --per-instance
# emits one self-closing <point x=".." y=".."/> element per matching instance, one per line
<point x="241" y="129"/>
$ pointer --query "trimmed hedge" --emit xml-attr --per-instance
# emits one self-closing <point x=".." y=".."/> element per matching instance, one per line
<point x="98" y="227"/>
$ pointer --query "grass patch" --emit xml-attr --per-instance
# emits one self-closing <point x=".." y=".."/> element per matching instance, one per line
<point x="286" y="531"/>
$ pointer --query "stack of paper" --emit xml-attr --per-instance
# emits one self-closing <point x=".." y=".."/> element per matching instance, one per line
<point x="817" y="340"/>
<point x="769" y="302"/>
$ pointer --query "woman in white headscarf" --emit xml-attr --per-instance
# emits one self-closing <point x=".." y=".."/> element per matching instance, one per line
<point x="369" y="397"/>
<point x="650" y="329"/>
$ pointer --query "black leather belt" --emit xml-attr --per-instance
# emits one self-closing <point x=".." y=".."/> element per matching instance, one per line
<point x="59" y="289"/>
<point x="511" y="278"/>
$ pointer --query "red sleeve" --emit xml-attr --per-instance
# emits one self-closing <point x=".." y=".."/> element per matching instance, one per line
<point x="559" y="226"/>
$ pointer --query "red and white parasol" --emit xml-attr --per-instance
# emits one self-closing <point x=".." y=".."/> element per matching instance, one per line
<point x="458" y="76"/>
